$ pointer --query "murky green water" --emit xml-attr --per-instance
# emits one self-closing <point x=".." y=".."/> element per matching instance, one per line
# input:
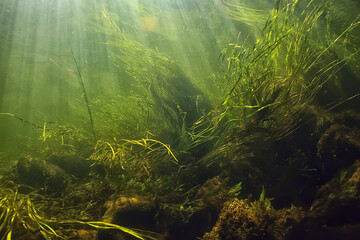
<point x="40" y="77"/>
<point x="182" y="101"/>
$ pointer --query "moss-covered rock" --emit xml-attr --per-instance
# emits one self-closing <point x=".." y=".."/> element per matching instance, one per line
<point x="335" y="213"/>
<point x="245" y="220"/>
<point x="41" y="174"/>
<point x="338" y="201"/>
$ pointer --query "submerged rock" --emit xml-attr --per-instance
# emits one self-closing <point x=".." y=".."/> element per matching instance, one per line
<point x="160" y="221"/>
<point x="40" y="174"/>
<point x="335" y="213"/>
<point x="84" y="234"/>
<point x="124" y="210"/>
<point x="339" y="145"/>
<point x="134" y="212"/>
<point x="73" y="165"/>
<point x="245" y="220"/>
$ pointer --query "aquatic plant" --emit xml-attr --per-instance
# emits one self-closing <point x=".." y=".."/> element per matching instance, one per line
<point x="63" y="139"/>
<point x="131" y="117"/>
<point x="283" y="70"/>
<point x="84" y="93"/>
<point x="21" y="119"/>
<point x="241" y="12"/>
<point x="55" y="138"/>
<point x="158" y="80"/>
<point x="17" y="209"/>
<point x="208" y="128"/>
<point x="270" y="81"/>
<point x="137" y="158"/>
<point x="18" y="215"/>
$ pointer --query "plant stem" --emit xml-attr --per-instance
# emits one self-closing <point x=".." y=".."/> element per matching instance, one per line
<point x="81" y="82"/>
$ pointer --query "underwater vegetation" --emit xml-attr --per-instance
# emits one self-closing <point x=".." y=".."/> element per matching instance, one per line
<point x="161" y="82"/>
<point x="274" y="156"/>
<point x="18" y="210"/>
